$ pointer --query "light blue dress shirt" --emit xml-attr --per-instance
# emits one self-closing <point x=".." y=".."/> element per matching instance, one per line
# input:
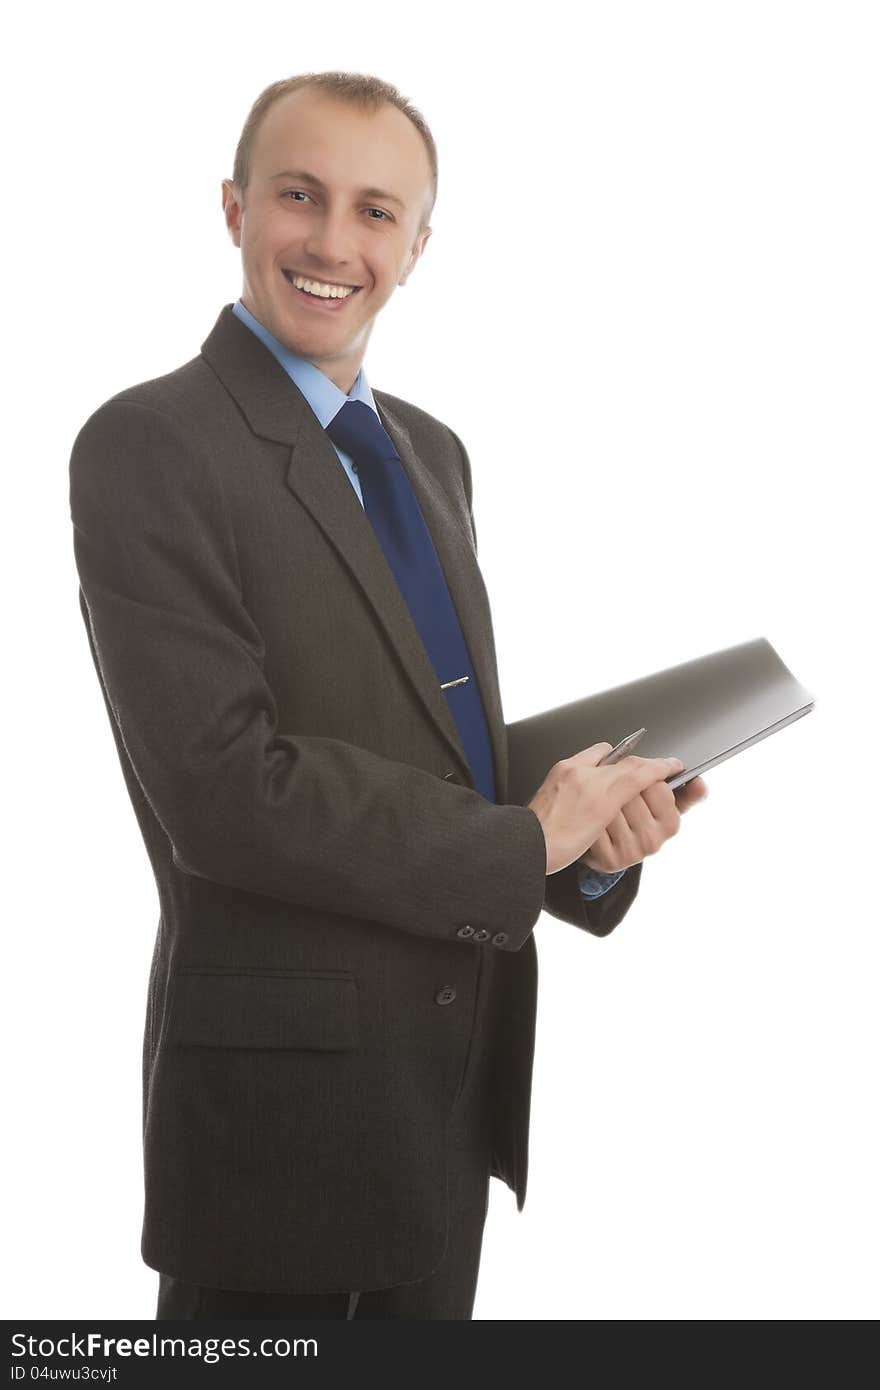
<point x="326" y="400"/>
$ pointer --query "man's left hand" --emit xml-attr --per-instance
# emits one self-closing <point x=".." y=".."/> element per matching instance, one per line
<point x="643" y="825"/>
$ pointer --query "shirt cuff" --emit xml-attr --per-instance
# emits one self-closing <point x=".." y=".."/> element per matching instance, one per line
<point x="594" y="884"/>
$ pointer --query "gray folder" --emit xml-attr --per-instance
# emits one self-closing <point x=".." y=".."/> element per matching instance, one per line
<point x="703" y="712"/>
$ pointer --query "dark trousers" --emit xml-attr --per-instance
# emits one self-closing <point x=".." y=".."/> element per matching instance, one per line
<point x="450" y="1290"/>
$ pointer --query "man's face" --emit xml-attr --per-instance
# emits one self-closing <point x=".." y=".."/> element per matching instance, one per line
<point x="354" y="222"/>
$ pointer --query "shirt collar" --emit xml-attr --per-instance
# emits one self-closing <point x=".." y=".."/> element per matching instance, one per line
<point x="322" y="394"/>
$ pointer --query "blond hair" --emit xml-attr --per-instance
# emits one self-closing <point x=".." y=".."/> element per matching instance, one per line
<point x="360" y="89"/>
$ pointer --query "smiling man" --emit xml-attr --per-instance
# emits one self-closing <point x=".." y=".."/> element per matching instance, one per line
<point x="279" y="582"/>
<point x="329" y="204"/>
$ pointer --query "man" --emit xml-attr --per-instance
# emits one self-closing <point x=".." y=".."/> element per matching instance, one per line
<point x="279" y="581"/>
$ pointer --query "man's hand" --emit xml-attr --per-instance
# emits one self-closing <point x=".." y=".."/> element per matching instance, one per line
<point x="580" y="797"/>
<point x="643" y="825"/>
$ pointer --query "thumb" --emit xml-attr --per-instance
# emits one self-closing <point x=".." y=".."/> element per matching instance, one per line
<point x="595" y="753"/>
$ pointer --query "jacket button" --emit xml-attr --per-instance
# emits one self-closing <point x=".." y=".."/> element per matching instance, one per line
<point x="445" y="995"/>
<point x="481" y="935"/>
<point x="451" y="776"/>
<point x="499" y="938"/>
<point x="465" y="930"/>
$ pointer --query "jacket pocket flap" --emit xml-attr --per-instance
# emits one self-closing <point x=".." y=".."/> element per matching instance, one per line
<point x="282" y="1008"/>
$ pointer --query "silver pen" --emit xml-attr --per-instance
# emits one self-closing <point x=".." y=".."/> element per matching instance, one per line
<point x="625" y="746"/>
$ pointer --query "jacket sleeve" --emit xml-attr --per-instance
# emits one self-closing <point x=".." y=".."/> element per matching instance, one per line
<point x="599" y="916"/>
<point x="563" y="898"/>
<point x="314" y="821"/>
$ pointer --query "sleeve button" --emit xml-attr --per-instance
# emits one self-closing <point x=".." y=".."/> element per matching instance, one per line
<point x="481" y="935"/>
<point x="465" y="930"/>
<point x="499" y="938"/>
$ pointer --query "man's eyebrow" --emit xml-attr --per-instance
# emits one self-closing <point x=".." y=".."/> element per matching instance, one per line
<point x="302" y="176"/>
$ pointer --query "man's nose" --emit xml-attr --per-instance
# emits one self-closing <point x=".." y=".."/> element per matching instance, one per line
<point x="329" y="240"/>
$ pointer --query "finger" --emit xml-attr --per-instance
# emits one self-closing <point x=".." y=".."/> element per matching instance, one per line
<point x="647" y="822"/>
<point x="688" y="795"/>
<point x="601" y="856"/>
<point x="622" y="840"/>
<point x="662" y="802"/>
<point x="635" y="774"/>
<point x="633" y="831"/>
<point x="593" y="755"/>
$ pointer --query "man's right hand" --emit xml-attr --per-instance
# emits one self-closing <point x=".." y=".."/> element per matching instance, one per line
<point x="578" y="799"/>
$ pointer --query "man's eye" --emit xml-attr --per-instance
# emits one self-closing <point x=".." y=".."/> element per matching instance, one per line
<point x="298" y="193"/>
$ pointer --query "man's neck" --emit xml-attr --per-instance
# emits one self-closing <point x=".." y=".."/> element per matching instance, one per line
<point x="343" y="377"/>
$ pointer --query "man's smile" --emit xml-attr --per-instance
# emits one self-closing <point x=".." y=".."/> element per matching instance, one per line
<point x="320" y="293"/>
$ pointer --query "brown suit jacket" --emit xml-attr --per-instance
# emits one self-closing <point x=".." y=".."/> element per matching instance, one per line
<point x="312" y="825"/>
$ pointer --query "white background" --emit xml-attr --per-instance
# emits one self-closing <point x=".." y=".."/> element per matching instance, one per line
<point x="649" y="307"/>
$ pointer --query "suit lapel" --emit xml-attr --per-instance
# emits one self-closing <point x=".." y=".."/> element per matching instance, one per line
<point x="276" y="409"/>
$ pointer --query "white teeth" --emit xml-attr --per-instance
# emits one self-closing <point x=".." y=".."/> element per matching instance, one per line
<point x="318" y="288"/>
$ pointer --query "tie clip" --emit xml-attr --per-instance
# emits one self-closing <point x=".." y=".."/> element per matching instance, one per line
<point x="461" y="680"/>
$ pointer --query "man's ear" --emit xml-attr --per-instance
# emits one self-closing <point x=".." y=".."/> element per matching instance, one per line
<point x="231" y="210"/>
<point x="415" y="255"/>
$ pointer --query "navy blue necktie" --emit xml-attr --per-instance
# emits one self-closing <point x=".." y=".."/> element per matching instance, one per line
<point x="394" y="512"/>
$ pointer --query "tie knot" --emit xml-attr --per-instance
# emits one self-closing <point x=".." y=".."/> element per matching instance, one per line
<point x="359" y="432"/>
